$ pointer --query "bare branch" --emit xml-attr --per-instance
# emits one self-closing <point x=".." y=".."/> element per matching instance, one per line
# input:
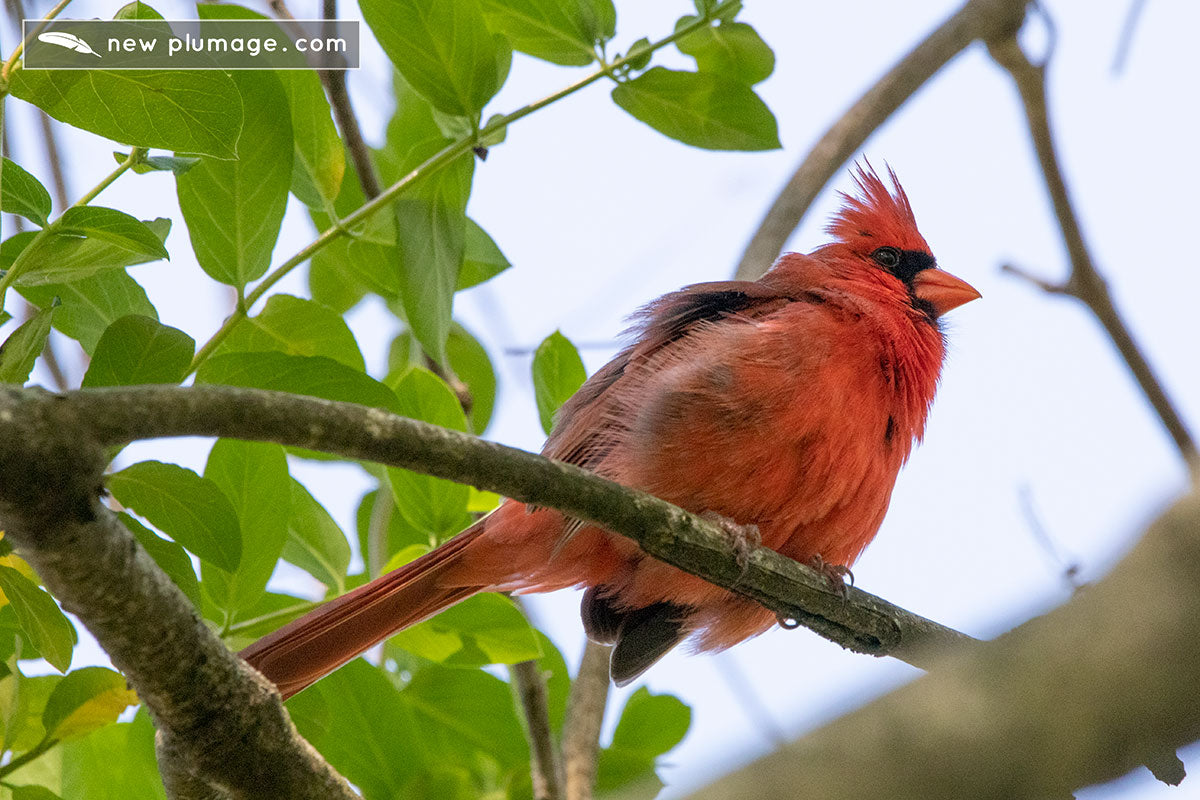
<point x="1125" y="43"/>
<point x="1085" y="282"/>
<point x="585" y="715"/>
<point x="334" y="81"/>
<point x="977" y="19"/>
<point x="858" y="621"/>
<point x="1076" y="697"/>
<point x="530" y="684"/>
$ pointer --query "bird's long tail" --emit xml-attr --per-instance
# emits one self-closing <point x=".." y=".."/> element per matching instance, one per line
<point x="305" y="650"/>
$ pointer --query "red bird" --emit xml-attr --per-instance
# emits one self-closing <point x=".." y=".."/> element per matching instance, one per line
<point x="788" y="403"/>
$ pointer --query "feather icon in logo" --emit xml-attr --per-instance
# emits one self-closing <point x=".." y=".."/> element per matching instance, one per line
<point x="67" y="40"/>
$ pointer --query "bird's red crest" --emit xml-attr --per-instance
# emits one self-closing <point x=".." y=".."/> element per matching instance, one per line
<point x="877" y="215"/>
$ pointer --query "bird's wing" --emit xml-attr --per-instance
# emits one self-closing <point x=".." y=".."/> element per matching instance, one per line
<point x="588" y="424"/>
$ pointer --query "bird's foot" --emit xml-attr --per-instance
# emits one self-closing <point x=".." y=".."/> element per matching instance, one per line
<point x="838" y="576"/>
<point x="743" y="539"/>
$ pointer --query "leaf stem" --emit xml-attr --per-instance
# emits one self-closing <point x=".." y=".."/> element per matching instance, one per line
<point x="282" y="613"/>
<point x="136" y="156"/>
<point x="428" y="167"/>
<point x="38" y="751"/>
<point x="6" y="70"/>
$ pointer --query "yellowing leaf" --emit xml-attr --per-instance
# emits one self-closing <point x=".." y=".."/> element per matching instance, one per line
<point x="86" y="700"/>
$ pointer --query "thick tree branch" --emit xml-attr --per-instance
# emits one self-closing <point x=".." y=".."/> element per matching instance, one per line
<point x="1076" y="697"/>
<point x="107" y="417"/>
<point x="585" y="716"/>
<point x="222" y="722"/>
<point x="1085" y="282"/>
<point x="977" y="19"/>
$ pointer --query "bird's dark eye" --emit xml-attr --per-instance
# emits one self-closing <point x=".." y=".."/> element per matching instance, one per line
<point x="887" y="257"/>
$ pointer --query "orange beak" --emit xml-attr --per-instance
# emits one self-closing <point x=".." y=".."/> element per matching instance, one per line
<point x="942" y="290"/>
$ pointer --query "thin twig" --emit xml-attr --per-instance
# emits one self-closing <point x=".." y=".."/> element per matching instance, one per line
<point x="747" y="698"/>
<point x="1070" y="567"/>
<point x="1125" y="42"/>
<point x="334" y="81"/>
<point x="545" y="766"/>
<point x="977" y="19"/>
<point x="1085" y="283"/>
<point x="347" y="121"/>
<point x="585" y="716"/>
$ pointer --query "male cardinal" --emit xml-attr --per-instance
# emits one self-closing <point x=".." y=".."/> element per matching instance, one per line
<point x="788" y="404"/>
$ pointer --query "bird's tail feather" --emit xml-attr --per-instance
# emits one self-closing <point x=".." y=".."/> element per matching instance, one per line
<point x="305" y="650"/>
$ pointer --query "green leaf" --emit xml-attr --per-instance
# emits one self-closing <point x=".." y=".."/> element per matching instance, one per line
<point x="84" y="701"/>
<point x="314" y="542"/>
<point x="433" y="505"/>
<point x="197" y="111"/>
<point x="372" y="738"/>
<point x="557" y="374"/>
<point x="600" y="17"/>
<point x="320" y="154"/>
<point x="189" y="508"/>
<point x="468" y="361"/>
<point x="482" y="259"/>
<point x="20" y="350"/>
<point x="649" y="726"/>
<point x="114" y="227"/>
<point x="639" y="54"/>
<point x="138" y="350"/>
<point x="732" y="50"/>
<point x="233" y="209"/>
<point x="175" y="164"/>
<point x="547" y="29"/>
<point x="40" y="618"/>
<point x="364" y="260"/>
<point x="399" y="536"/>
<point x="254" y="477"/>
<point x="24" y="699"/>
<point x="299" y="327"/>
<point x="90" y="304"/>
<point x="652" y="723"/>
<point x="444" y="50"/>
<point x="23" y="194"/>
<point x="700" y="109"/>
<point x="331" y="281"/>
<point x="114" y="763"/>
<point x="136" y="10"/>
<point x="484" y="629"/>
<point x="431" y="228"/>
<point x="461" y="711"/>
<point x="471" y="364"/>
<point x="481" y="502"/>
<point x="169" y="556"/>
<point x="66" y="259"/>
<point x="315" y="376"/>
<point x="413" y="133"/>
